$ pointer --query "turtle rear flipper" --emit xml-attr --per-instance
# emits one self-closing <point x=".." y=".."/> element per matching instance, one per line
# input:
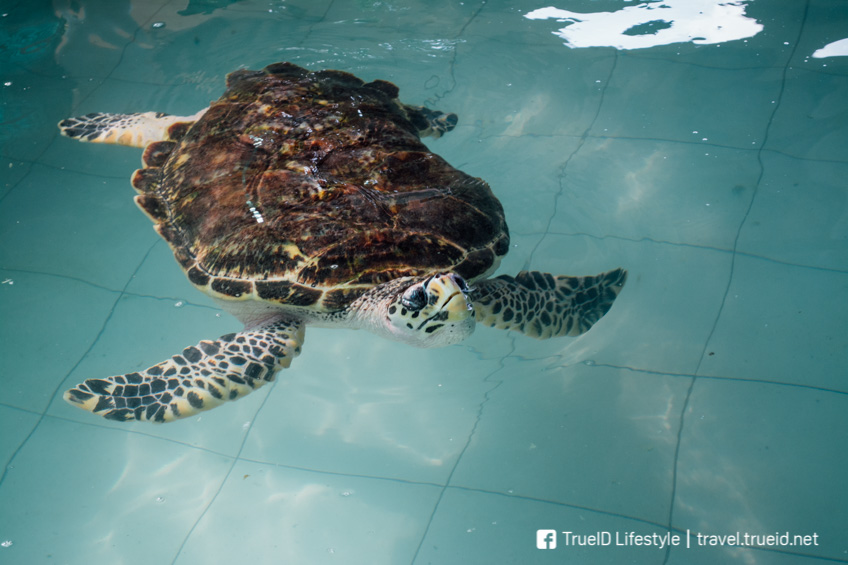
<point x="541" y="305"/>
<point x="135" y="130"/>
<point x="202" y="377"/>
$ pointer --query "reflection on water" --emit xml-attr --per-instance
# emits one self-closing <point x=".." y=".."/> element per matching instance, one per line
<point x="649" y="24"/>
<point x="835" y="49"/>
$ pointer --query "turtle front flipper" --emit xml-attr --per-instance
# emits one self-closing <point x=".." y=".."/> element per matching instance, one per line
<point x="135" y="130"/>
<point x="201" y="378"/>
<point x="541" y="305"/>
<point x="431" y="123"/>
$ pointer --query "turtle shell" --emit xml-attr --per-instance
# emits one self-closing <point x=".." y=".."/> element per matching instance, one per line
<point x="308" y="188"/>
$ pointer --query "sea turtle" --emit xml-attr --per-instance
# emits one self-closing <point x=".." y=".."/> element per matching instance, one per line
<point x="306" y="198"/>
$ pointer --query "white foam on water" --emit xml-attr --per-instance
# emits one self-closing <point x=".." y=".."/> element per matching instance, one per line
<point x="835" y="49"/>
<point x="665" y="22"/>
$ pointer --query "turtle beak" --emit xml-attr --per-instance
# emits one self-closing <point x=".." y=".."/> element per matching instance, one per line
<point x="449" y="293"/>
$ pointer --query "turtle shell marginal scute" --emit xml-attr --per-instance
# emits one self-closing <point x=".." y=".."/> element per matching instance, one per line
<point x="157" y="153"/>
<point x="308" y="188"/>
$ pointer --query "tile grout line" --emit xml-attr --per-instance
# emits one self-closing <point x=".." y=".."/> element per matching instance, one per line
<point x="410" y="481"/>
<point x="122" y="292"/>
<point x="43" y="413"/>
<point x="702" y="247"/>
<point x="20" y="446"/>
<point x="86" y="97"/>
<point x="695" y="376"/>
<point x="235" y="460"/>
<point x="718" y="378"/>
<point x="83" y="99"/>
<point x="237" y="457"/>
<point x="452" y="63"/>
<point x="478" y="417"/>
<point x="312" y="25"/>
<point x="111" y="290"/>
<point x="564" y="168"/>
<point x="435" y="99"/>
<point x="758" y="151"/>
<point x="746" y="149"/>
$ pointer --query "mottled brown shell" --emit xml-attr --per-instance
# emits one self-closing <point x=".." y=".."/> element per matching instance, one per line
<point x="308" y="188"/>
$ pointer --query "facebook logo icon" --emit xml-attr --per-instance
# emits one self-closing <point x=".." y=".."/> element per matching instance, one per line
<point x="546" y="539"/>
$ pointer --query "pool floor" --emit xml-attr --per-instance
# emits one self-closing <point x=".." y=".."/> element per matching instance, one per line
<point x="701" y="146"/>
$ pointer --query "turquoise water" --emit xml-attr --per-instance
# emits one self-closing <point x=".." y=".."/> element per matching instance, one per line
<point x="704" y="147"/>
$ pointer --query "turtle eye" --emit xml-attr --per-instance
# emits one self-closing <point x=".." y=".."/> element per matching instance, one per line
<point x="415" y="298"/>
<point x="460" y="282"/>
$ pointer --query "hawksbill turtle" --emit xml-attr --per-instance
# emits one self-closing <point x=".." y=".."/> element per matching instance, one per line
<point x="308" y="198"/>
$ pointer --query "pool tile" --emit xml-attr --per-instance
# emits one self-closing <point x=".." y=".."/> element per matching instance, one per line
<point x="809" y="123"/>
<point x="519" y="100"/>
<point x="102" y="237"/>
<point x="32" y="105"/>
<point x="781" y="324"/>
<point x="17" y="425"/>
<point x="708" y="555"/>
<point x="798" y="215"/>
<point x="527" y="190"/>
<point x="664" y="100"/>
<point x="743" y="469"/>
<point x="304" y="517"/>
<point x="94" y="39"/>
<point x="119" y="497"/>
<point x="483" y="527"/>
<point x="595" y="437"/>
<point x="14" y="171"/>
<point x="195" y="52"/>
<point x="611" y="187"/>
<point x="49" y="322"/>
<point x="358" y="404"/>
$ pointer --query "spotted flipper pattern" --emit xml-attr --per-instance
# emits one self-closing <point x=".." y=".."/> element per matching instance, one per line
<point x="431" y="123"/>
<point x="541" y="305"/>
<point x="202" y="377"/>
<point x="134" y="130"/>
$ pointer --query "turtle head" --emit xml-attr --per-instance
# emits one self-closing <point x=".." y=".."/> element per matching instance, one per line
<point x="432" y="312"/>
